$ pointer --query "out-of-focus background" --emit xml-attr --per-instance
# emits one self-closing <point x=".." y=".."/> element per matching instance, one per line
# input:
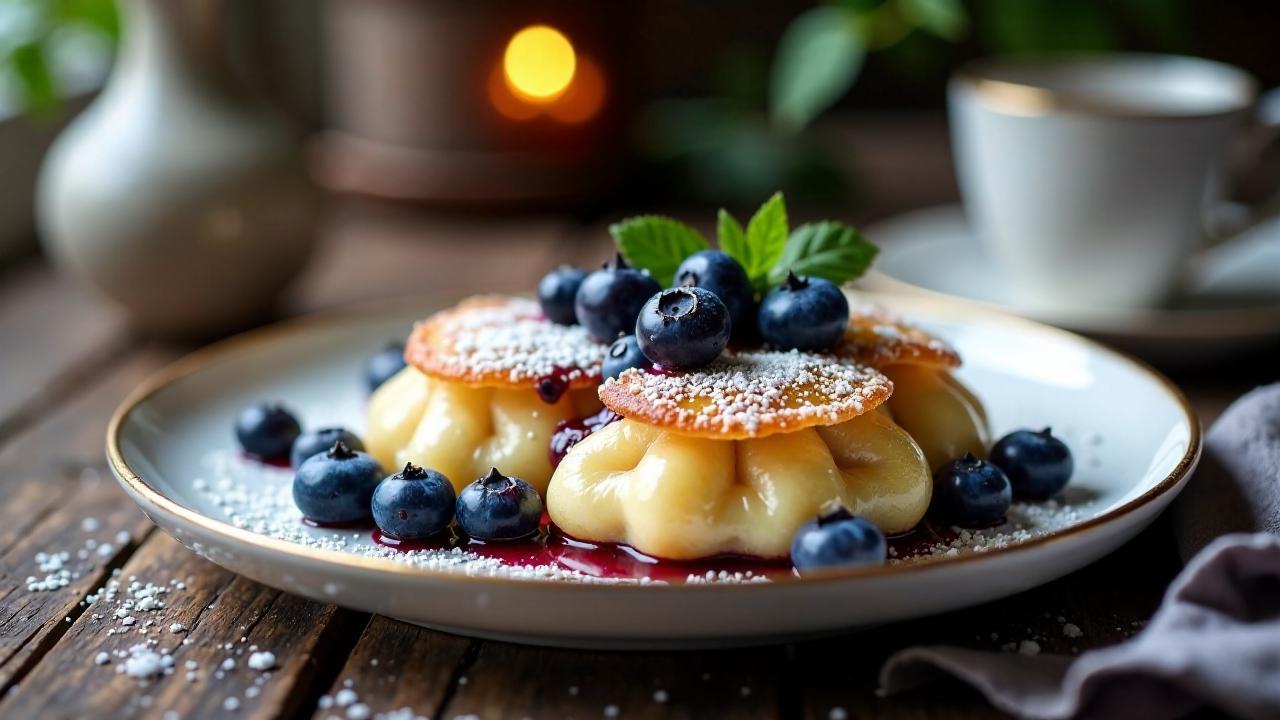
<point x="244" y="152"/>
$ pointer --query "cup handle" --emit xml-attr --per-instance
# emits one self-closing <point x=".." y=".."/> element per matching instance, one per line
<point x="1230" y="219"/>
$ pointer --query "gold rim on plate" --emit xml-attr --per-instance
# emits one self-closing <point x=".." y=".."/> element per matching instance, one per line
<point x="198" y="360"/>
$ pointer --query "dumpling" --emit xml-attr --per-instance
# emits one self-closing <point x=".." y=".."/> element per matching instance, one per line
<point x="946" y="419"/>
<point x="486" y="385"/>
<point x="734" y="458"/>
<point x="463" y="431"/>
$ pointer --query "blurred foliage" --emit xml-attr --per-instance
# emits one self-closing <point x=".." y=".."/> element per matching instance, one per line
<point x="747" y="138"/>
<point x="51" y="47"/>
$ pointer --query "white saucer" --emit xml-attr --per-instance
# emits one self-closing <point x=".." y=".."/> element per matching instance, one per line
<point x="1232" y="302"/>
<point x="1135" y="438"/>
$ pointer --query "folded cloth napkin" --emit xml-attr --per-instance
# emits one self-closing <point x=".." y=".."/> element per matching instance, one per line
<point x="1215" y="639"/>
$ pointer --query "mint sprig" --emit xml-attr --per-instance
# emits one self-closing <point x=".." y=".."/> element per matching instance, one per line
<point x="657" y="243"/>
<point x="766" y="249"/>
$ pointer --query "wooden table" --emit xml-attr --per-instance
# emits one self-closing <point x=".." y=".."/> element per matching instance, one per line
<point x="67" y="360"/>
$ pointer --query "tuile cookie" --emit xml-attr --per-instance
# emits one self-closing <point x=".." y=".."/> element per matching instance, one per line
<point x="500" y="341"/>
<point x="749" y="394"/>
<point x="877" y="337"/>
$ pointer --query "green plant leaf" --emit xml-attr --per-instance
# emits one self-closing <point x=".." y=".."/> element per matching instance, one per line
<point x="730" y="236"/>
<point x="829" y="250"/>
<point x="766" y="239"/>
<point x="818" y="58"/>
<point x="657" y="244"/>
<point x="945" y="18"/>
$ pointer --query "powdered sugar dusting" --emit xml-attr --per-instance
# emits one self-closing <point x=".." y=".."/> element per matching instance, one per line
<point x="494" y="340"/>
<point x="750" y="394"/>
<point x="878" y="337"/>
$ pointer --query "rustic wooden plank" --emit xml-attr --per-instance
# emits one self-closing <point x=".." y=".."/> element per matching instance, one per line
<point x="1107" y="601"/>
<point x="65" y="446"/>
<point x="55" y="334"/>
<point x="395" y="665"/>
<point x="47" y="573"/>
<point x="224" y="619"/>
<point x="516" y="681"/>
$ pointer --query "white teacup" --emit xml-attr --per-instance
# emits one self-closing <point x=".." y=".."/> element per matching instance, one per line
<point x="1090" y="179"/>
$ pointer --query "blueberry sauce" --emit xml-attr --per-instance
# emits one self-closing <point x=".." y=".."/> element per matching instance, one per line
<point x="552" y="386"/>
<point x="271" y="462"/>
<point x="571" y="432"/>
<point x="348" y="525"/>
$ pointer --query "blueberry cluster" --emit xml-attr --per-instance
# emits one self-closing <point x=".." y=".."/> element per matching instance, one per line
<point x="687" y="326"/>
<point x="271" y="433"/>
<point x="968" y="492"/>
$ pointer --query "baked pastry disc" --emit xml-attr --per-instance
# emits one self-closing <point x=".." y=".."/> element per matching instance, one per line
<point x="749" y="394"/>
<point x="499" y="341"/>
<point x="877" y="337"/>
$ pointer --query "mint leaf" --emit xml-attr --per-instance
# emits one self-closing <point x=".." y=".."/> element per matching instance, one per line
<point x="765" y="241"/>
<point x="829" y="250"/>
<point x="657" y="244"/>
<point x="732" y="239"/>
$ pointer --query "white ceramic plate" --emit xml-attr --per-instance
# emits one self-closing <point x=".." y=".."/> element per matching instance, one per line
<point x="1135" y="438"/>
<point x="1232" y="299"/>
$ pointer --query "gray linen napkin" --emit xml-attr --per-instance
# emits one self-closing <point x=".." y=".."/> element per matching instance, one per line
<point x="1215" y="639"/>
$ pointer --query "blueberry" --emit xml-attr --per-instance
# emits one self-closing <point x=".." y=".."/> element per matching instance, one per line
<point x="317" y="441"/>
<point x="556" y="293"/>
<point x="623" y="354"/>
<point x="804" y="313"/>
<point x="1037" y="463"/>
<point x="267" y="431"/>
<point x="336" y="486"/>
<point x="414" y="503"/>
<point x="971" y="493"/>
<point x="497" y="507"/>
<point x="684" y="328"/>
<point x="837" y="539"/>
<point x="721" y="274"/>
<point x="382" y="366"/>
<point x="610" y="298"/>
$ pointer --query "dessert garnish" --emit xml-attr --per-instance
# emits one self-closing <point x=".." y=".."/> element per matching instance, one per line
<point x="804" y="313"/>
<point x="336" y="486"/>
<point x="497" y="507"/>
<point x="880" y="338"/>
<point x="838" y="538"/>
<point x="609" y="299"/>
<point x="314" y="442"/>
<point x="683" y="328"/>
<point x="557" y="291"/>
<point x="971" y="493"/>
<point x="623" y="354"/>
<point x="380" y="367"/>
<point x="1038" y="464"/>
<point x="266" y="431"/>
<point x="413" y="504"/>
<point x="717" y="271"/>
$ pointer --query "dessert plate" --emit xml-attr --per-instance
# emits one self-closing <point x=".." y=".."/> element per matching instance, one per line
<point x="1231" y="302"/>
<point x="170" y="445"/>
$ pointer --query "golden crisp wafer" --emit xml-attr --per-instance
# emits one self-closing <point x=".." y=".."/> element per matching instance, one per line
<point x="749" y="394"/>
<point x="497" y="341"/>
<point x="879" y="338"/>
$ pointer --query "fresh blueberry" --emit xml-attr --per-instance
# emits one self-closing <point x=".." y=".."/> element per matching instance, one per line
<point x="557" y="291"/>
<point x="804" y="313"/>
<point x="721" y="274"/>
<point x="336" y="486"/>
<point x="317" y="441"/>
<point x="610" y="298"/>
<point x="837" y="539"/>
<point x="971" y="493"/>
<point x="1037" y="463"/>
<point x="497" y="507"/>
<point x="267" y="431"/>
<point x="623" y="354"/>
<point x="382" y="366"/>
<point x="683" y="328"/>
<point x="414" y="503"/>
